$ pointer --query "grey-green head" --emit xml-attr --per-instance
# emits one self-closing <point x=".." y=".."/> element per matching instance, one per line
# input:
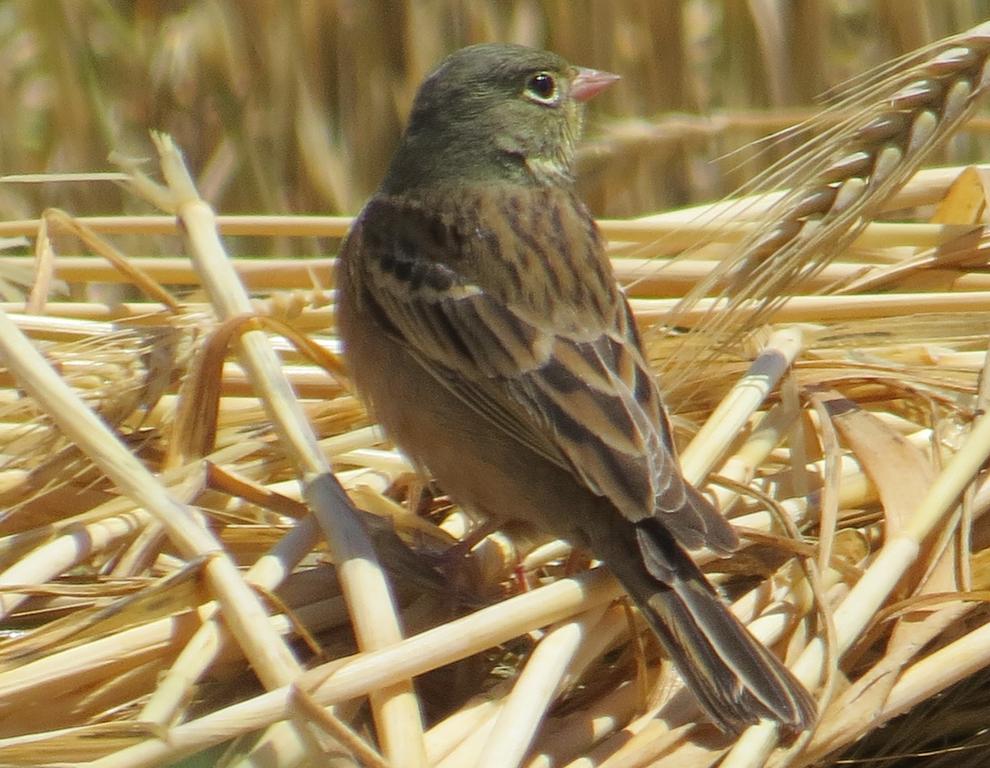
<point x="495" y="112"/>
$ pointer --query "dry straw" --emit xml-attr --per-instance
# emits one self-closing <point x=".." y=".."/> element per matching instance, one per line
<point x="171" y="518"/>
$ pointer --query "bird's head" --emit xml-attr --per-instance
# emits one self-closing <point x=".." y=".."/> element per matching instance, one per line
<point x="495" y="112"/>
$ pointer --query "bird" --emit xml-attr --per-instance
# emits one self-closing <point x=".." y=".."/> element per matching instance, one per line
<point x="483" y="325"/>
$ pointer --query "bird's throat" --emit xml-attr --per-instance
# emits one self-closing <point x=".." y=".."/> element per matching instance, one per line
<point x="549" y="170"/>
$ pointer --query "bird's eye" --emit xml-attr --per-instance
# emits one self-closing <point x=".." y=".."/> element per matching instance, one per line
<point x="542" y="87"/>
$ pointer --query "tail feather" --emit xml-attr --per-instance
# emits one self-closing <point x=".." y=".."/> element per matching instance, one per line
<point x="736" y="679"/>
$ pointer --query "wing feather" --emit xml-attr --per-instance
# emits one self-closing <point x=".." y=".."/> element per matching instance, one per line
<point x="569" y="382"/>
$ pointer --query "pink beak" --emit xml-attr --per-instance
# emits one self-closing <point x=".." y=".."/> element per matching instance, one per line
<point x="589" y="82"/>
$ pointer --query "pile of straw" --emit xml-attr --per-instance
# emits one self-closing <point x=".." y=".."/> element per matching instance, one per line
<point x="181" y="573"/>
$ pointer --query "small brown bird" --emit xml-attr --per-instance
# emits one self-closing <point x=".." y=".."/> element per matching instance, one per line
<point x="482" y="321"/>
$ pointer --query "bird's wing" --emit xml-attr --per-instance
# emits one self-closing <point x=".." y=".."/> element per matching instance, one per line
<point x="570" y="383"/>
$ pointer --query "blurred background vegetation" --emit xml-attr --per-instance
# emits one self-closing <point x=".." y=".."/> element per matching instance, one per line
<point x="294" y="106"/>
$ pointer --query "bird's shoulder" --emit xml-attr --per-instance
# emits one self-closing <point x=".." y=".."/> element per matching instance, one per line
<point x="533" y="248"/>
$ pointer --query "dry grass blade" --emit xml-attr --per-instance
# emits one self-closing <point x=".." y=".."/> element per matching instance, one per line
<point x="271" y="657"/>
<point x="362" y="580"/>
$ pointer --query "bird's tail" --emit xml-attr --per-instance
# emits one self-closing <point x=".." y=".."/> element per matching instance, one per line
<point x="736" y="679"/>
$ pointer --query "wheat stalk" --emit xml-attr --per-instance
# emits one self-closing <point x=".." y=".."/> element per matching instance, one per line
<point x="840" y="180"/>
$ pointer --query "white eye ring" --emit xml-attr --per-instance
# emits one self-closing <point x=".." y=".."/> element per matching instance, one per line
<point x="542" y="88"/>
